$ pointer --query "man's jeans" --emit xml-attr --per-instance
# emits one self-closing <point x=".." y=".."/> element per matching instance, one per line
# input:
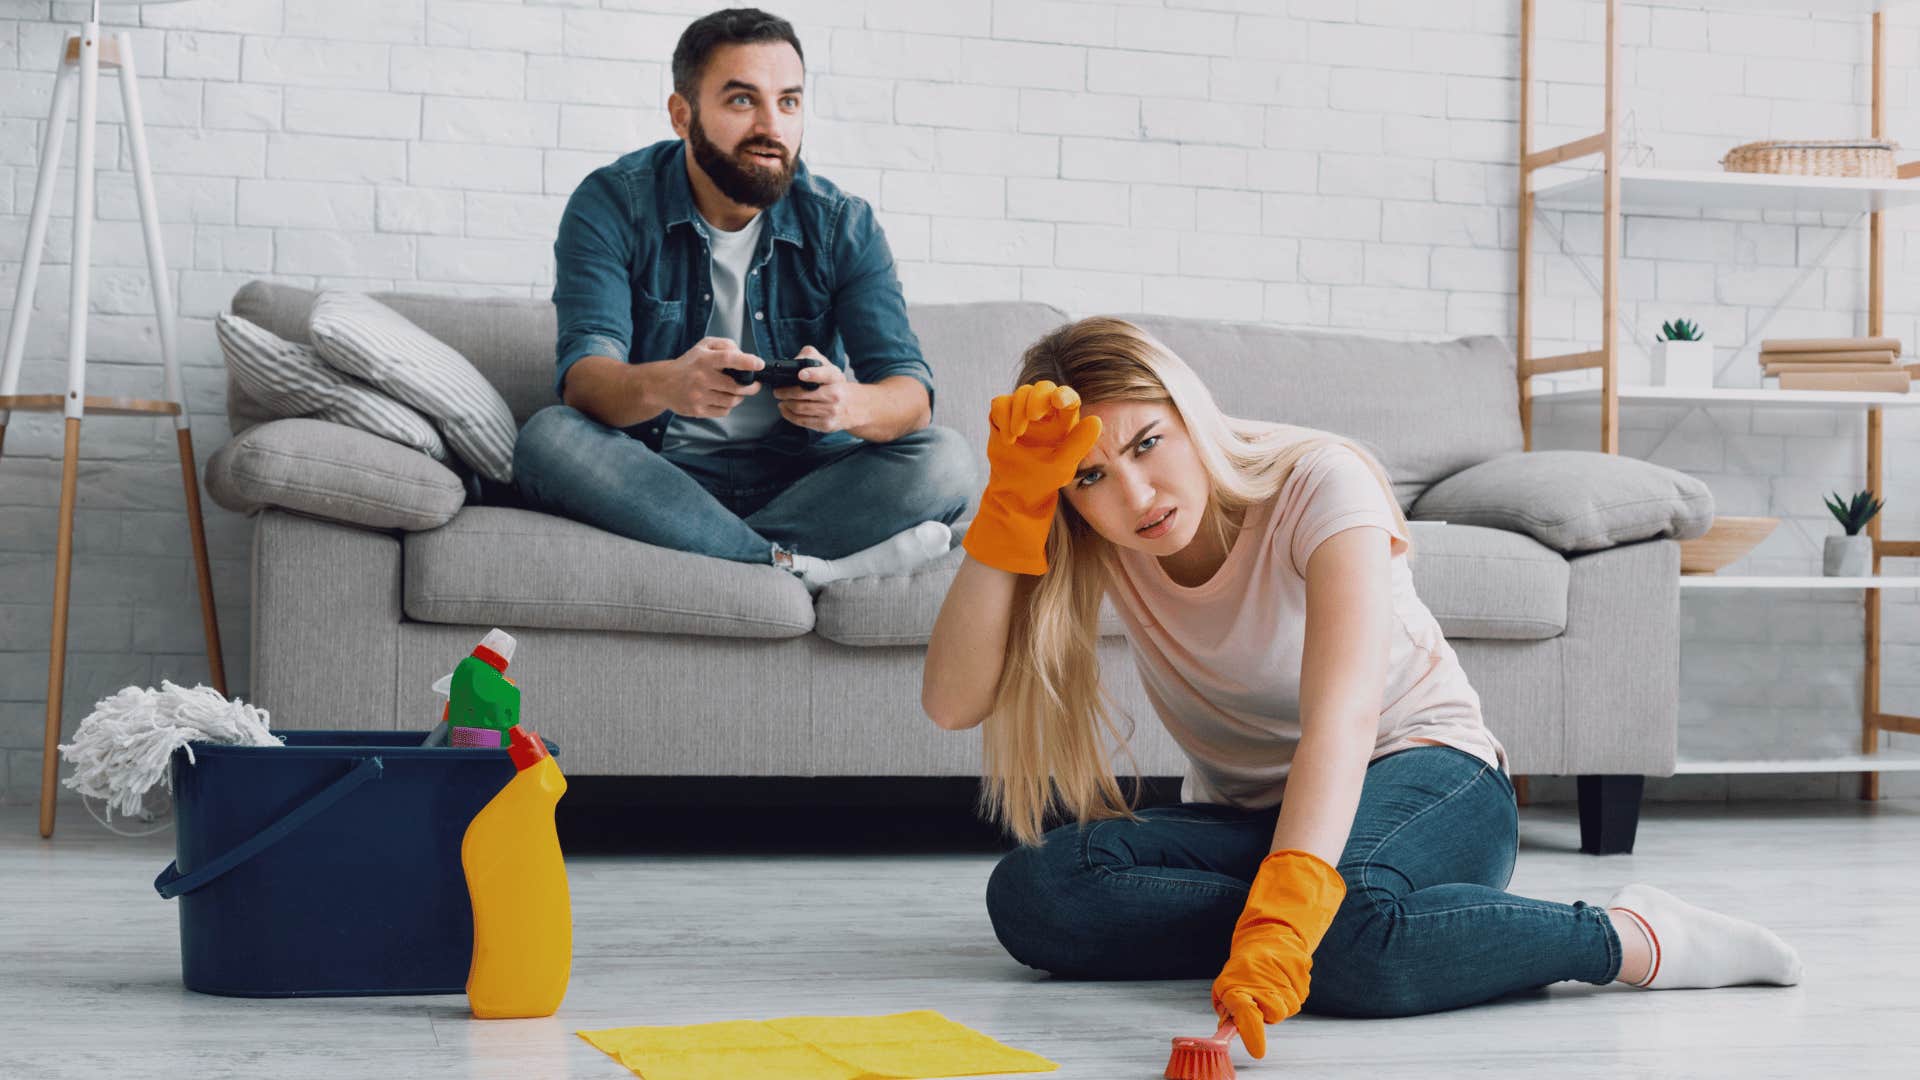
<point x="1425" y="925"/>
<point x="826" y="501"/>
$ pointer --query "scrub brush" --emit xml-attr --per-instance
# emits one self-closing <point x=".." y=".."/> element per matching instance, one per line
<point x="1196" y="1058"/>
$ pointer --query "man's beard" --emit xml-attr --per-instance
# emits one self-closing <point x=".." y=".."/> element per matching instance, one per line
<point x="745" y="182"/>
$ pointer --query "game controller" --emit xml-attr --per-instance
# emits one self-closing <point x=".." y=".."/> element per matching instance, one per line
<point x="777" y="373"/>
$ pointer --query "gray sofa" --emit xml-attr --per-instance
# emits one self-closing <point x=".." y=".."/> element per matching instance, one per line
<point x="370" y="568"/>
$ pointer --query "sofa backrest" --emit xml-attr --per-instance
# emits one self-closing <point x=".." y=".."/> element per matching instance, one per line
<point x="1426" y="409"/>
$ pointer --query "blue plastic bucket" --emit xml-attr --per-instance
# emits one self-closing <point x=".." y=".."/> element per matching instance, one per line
<point x="326" y="867"/>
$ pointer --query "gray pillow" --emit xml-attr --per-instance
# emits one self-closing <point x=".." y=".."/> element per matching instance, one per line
<point x="359" y="336"/>
<point x="1572" y="500"/>
<point x="330" y="471"/>
<point x="288" y="379"/>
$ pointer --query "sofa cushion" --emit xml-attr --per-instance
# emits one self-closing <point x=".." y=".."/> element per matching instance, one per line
<point x="1479" y="583"/>
<point x="505" y="567"/>
<point x="1574" y="500"/>
<point x="1489" y="583"/>
<point x="359" y="336"/>
<point x="900" y="609"/>
<point x="332" y="471"/>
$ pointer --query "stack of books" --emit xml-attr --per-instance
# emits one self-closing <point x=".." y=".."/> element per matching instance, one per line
<point x="1853" y="363"/>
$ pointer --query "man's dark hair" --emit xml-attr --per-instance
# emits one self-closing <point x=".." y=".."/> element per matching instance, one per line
<point x="733" y="26"/>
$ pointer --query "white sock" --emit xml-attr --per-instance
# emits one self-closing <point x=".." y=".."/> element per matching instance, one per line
<point x="1694" y="948"/>
<point x="900" y="553"/>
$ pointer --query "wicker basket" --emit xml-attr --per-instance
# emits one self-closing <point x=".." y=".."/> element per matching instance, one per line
<point x="1814" y="157"/>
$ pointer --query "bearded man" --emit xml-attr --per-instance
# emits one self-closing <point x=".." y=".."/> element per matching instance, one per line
<point x="736" y="371"/>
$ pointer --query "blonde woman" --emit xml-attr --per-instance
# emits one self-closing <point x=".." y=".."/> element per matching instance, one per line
<point x="1260" y="573"/>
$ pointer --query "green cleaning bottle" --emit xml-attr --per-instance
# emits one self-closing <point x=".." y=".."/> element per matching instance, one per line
<point x="482" y="703"/>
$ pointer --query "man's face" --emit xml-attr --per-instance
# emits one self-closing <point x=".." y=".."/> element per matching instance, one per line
<point x="744" y="128"/>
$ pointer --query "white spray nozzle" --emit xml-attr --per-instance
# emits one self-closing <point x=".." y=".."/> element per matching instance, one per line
<point x="500" y="642"/>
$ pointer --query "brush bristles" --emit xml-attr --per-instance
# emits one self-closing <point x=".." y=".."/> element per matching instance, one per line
<point x="1200" y="1063"/>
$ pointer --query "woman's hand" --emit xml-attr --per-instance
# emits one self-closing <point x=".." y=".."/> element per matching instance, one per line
<point x="1037" y="441"/>
<point x="1288" y="910"/>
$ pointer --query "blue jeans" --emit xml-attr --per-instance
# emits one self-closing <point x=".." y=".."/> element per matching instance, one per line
<point x="1425" y="925"/>
<point x="828" y="501"/>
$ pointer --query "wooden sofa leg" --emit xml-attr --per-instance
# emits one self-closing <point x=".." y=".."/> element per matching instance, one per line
<point x="1609" y="813"/>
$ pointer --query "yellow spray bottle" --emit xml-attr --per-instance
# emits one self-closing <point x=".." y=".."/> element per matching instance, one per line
<point x="522" y="916"/>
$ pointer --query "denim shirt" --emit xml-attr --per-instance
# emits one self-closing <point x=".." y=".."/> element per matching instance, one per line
<point x="632" y="280"/>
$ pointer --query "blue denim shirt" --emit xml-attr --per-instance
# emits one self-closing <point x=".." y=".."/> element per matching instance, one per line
<point x="632" y="279"/>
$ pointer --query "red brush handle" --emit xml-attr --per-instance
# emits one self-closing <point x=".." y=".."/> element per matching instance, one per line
<point x="1226" y="1031"/>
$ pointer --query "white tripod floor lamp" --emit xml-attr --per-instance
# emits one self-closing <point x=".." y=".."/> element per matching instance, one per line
<point x="82" y="57"/>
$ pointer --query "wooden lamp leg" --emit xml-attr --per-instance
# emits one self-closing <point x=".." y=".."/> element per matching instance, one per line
<point x="209" y="621"/>
<point x="57" y="662"/>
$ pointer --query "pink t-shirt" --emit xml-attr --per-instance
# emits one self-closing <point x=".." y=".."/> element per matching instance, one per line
<point x="1221" y="661"/>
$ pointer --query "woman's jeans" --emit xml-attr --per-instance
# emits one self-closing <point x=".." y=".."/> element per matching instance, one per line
<point x="1425" y="925"/>
<point x="826" y="501"/>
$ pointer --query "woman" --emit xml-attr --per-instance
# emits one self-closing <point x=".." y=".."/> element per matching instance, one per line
<point x="1260" y="573"/>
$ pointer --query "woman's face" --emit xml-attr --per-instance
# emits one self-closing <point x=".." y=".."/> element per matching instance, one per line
<point x="1142" y="485"/>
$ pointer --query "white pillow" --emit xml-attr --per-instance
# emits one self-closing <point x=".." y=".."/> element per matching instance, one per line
<point x="289" y="380"/>
<point x="359" y="336"/>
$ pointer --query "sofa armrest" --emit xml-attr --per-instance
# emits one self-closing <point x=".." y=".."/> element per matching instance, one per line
<point x="332" y="471"/>
<point x="1572" y="500"/>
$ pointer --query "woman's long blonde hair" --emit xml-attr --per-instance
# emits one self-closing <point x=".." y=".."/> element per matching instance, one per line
<point x="1047" y="738"/>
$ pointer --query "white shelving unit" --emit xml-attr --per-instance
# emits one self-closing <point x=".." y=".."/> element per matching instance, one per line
<point x="1730" y="395"/>
<point x="1616" y="190"/>
<point x="1757" y="581"/>
<point x="1682" y="189"/>
<point x="1884" y="761"/>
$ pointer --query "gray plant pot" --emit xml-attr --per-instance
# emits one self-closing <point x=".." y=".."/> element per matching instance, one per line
<point x="1849" y="556"/>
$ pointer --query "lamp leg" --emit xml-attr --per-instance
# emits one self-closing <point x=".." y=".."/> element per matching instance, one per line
<point x="164" y="312"/>
<point x="57" y="646"/>
<point x="209" y="618"/>
<point x="75" y="405"/>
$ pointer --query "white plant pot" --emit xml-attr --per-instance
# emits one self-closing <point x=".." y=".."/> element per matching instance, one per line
<point x="1848" y="556"/>
<point x="1683" y="365"/>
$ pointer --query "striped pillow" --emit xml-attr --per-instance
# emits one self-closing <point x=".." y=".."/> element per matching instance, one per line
<point x="289" y="380"/>
<point x="359" y="336"/>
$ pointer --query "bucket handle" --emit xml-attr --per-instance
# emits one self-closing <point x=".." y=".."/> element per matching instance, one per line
<point x="172" y="882"/>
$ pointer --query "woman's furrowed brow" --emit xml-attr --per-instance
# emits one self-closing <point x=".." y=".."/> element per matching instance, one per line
<point x="1145" y="430"/>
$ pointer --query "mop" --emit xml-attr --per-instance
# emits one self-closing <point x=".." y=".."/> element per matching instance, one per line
<point x="121" y="749"/>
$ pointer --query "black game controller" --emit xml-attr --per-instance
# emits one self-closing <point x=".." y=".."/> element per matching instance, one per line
<point x="777" y="373"/>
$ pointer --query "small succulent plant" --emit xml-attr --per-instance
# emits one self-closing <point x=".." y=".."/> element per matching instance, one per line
<point x="1680" y="330"/>
<point x="1854" y="515"/>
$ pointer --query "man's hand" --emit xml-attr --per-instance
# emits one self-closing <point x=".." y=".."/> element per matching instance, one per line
<point x="695" y="383"/>
<point x="828" y="403"/>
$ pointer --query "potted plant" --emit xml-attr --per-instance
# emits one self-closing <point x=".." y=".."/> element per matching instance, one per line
<point x="1851" y="555"/>
<point x="1683" y="357"/>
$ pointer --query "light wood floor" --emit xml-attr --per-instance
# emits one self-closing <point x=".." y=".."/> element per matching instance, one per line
<point x="89" y="967"/>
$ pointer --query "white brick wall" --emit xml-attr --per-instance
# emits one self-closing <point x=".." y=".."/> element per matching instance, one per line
<point x="1337" y="163"/>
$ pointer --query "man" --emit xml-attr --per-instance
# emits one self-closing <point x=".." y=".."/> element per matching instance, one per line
<point x="710" y="254"/>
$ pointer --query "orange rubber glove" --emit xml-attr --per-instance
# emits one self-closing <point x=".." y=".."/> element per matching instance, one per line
<point x="1289" y="908"/>
<point x="1037" y="441"/>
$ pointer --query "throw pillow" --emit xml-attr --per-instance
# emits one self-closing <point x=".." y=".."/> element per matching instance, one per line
<point x="289" y="380"/>
<point x="359" y="336"/>
<point x="1572" y="500"/>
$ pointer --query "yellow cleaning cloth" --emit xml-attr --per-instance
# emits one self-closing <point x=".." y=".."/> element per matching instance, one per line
<point x="904" y="1046"/>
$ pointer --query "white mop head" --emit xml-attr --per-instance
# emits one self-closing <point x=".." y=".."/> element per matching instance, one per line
<point x="121" y="749"/>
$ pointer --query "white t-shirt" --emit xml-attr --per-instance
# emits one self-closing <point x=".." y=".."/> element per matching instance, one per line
<point x="756" y="415"/>
<point x="1221" y="661"/>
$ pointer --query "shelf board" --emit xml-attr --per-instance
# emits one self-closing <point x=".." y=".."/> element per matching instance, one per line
<point x="1884" y="761"/>
<point x="1828" y="8"/>
<point x="1757" y="581"/>
<point x="1730" y="395"/>
<point x="1710" y="189"/>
